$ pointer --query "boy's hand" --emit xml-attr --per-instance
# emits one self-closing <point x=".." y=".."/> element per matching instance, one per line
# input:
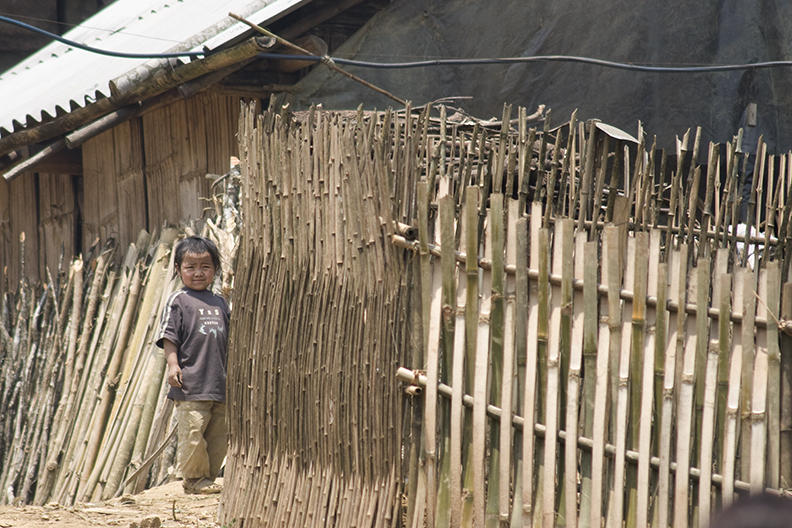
<point x="174" y="376"/>
<point x="171" y="358"/>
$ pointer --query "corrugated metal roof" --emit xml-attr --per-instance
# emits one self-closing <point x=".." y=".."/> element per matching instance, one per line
<point x="58" y="78"/>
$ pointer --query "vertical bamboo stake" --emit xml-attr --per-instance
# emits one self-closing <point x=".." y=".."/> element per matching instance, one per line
<point x="423" y="488"/>
<point x="670" y="291"/>
<point x="542" y="336"/>
<point x="506" y="395"/>
<point x="471" y="338"/>
<point x="747" y="347"/>
<point x="773" y="292"/>
<point x="708" y="429"/>
<point x="520" y="351"/>
<point x="731" y="419"/>
<point x="759" y="397"/>
<point x="686" y="399"/>
<point x="458" y="387"/>
<point x="786" y="384"/>
<point x="523" y="158"/>
<point x="723" y="337"/>
<point x="562" y="256"/>
<point x="495" y="250"/>
<point x="480" y="392"/>
<point x="645" y="283"/>
<point x="585" y="185"/>
<point x="615" y="515"/>
<point x="531" y="357"/>
<point x="602" y="389"/>
<point x="447" y="267"/>
<point x="590" y="358"/>
<point x="573" y="386"/>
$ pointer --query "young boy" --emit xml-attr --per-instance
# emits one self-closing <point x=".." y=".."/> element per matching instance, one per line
<point x="194" y="336"/>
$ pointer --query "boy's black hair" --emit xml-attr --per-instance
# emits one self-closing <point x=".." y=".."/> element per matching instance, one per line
<point x="196" y="245"/>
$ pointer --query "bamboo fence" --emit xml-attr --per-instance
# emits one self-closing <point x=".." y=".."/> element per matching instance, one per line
<point x="587" y="331"/>
<point x="82" y="385"/>
<point x="314" y="415"/>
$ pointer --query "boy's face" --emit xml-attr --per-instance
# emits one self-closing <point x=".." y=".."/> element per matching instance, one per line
<point x="197" y="270"/>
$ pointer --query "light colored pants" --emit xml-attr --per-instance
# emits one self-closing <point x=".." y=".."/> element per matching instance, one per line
<point x="202" y="441"/>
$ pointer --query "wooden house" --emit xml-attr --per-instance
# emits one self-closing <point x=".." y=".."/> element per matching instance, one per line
<point x="94" y="147"/>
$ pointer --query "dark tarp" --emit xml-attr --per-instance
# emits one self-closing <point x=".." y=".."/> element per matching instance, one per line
<point x="660" y="33"/>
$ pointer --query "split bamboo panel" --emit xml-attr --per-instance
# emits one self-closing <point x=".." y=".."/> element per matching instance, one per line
<point x="647" y="388"/>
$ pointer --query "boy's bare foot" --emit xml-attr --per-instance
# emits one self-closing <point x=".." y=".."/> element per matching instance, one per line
<point x="202" y="486"/>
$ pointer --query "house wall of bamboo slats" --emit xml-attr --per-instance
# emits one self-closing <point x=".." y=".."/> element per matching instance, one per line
<point x="580" y="334"/>
<point x="141" y="174"/>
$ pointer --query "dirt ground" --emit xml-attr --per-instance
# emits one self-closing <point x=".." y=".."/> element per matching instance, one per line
<point x="165" y="506"/>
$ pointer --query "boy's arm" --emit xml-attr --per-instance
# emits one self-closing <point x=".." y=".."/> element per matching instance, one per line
<point x="172" y="359"/>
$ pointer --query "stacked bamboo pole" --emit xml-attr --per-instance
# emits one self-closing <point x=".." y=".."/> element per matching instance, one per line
<point x="81" y="380"/>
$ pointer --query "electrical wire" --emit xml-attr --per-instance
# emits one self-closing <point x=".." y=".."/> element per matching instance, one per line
<point x="110" y="53"/>
<point x="533" y="58"/>
<point x="425" y="63"/>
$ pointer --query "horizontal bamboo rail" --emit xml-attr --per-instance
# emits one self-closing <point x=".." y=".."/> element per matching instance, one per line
<point x="416" y="379"/>
<point x="578" y="284"/>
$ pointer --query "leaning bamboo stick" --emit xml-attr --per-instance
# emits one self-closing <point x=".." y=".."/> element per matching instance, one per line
<point x="62" y="418"/>
<point x="91" y="469"/>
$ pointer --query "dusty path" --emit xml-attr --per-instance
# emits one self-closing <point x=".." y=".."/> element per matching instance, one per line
<point x="165" y="506"/>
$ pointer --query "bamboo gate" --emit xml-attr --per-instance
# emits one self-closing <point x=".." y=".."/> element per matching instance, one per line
<point x="610" y="354"/>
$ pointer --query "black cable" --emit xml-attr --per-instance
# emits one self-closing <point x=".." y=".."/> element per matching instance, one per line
<point x="534" y="58"/>
<point x="101" y="51"/>
<point x="424" y="63"/>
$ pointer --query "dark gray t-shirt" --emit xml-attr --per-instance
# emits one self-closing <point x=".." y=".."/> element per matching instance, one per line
<point x="197" y="323"/>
